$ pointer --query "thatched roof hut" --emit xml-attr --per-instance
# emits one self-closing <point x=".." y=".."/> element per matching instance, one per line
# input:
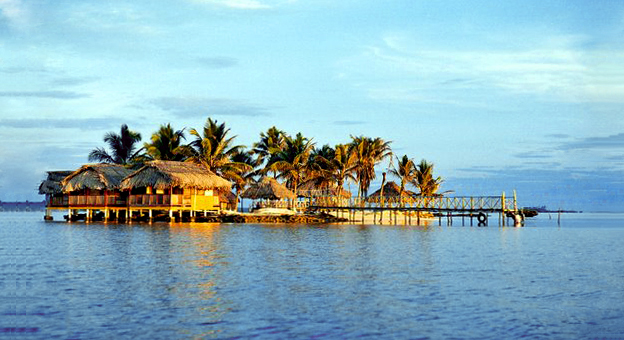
<point x="310" y="190"/>
<point x="167" y="174"/>
<point x="95" y="177"/>
<point x="227" y="196"/>
<point x="391" y="189"/>
<point x="268" y="188"/>
<point x="52" y="184"/>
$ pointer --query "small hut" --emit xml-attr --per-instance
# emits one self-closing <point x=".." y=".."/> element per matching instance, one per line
<point x="271" y="192"/>
<point x="174" y="187"/>
<point x="328" y="196"/>
<point x="391" y="192"/>
<point x="227" y="199"/>
<point x="95" y="188"/>
<point x="309" y="190"/>
<point x="52" y="189"/>
<point x="96" y="185"/>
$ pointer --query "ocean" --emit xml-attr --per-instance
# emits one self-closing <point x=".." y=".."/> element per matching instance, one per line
<point x="556" y="279"/>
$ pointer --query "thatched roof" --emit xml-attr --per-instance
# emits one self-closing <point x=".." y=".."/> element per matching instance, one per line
<point x="52" y="184"/>
<point x="227" y="196"/>
<point x="167" y="174"/>
<point x="95" y="177"/>
<point x="268" y="188"/>
<point x="310" y="190"/>
<point x="391" y="189"/>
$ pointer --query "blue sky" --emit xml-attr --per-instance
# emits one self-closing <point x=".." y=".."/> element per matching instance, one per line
<point x="499" y="95"/>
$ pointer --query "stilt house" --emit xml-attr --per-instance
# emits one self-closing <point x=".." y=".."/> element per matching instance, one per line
<point x="174" y="187"/>
<point x="95" y="187"/>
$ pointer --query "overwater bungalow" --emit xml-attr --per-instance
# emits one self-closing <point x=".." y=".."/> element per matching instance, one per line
<point x="93" y="191"/>
<point x="173" y="189"/>
<point x="53" y="191"/>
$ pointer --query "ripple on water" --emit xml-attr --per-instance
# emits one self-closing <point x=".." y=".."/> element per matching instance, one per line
<point x="240" y="281"/>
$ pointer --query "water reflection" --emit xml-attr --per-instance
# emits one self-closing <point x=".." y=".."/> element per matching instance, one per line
<point x="338" y="281"/>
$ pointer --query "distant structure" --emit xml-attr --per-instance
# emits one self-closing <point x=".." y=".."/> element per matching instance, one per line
<point x="22" y="206"/>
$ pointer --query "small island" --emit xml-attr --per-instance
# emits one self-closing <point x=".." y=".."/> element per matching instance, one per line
<point x="286" y="179"/>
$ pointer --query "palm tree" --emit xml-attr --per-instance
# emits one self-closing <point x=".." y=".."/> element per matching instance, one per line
<point x="246" y="176"/>
<point x="405" y="170"/>
<point x="292" y="161"/>
<point x="336" y="165"/>
<point x="320" y="170"/>
<point x="123" y="147"/>
<point x="270" y="144"/>
<point x="424" y="180"/>
<point x="213" y="148"/>
<point x="166" y="144"/>
<point x="368" y="153"/>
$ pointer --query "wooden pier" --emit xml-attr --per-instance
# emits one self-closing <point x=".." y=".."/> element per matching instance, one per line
<point x="409" y="209"/>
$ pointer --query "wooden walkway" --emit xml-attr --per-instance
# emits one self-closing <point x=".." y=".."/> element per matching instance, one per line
<point x="479" y="207"/>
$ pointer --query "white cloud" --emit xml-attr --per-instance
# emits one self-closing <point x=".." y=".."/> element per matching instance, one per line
<point x="556" y="68"/>
<point x="237" y="4"/>
<point x="15" y="13"/>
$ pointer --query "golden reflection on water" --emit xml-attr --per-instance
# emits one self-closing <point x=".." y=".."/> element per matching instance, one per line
<point x="201" y="252"/>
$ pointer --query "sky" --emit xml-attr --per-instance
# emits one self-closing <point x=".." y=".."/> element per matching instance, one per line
<point x="499" y="95"/>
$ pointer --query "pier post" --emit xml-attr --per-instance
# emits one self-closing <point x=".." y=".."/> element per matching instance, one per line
<point x="171" y="218"/>
<point x="503" y="208"/>
<point x="395" y="216"/>
<point x="150" y="216"/>
<point x="88" y="217"/>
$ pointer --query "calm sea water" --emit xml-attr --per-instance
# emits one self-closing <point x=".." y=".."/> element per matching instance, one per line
<point x="230" y="281"/>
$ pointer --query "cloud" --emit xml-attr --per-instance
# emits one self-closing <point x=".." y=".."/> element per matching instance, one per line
<point x="218" y="62"/>
<point x="558" y="136"/>
<point x="73" y="81"/>
<point x="14" y="12"/>
<point x="23" y="69"/>
<point x="578" y="189"/>
<point x="199" y="107"/>
<point x="531" y="154"/>
<point x="349" y="122"/>
<point x="568" y="70"/>
<point x="236" y="4"/>
<point x="64" y="123"/>
<point x="609" y="142"/>
<point x="44" y="94"/>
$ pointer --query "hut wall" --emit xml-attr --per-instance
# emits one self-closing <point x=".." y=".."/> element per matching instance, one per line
<point x="96" y="198"/>
<point x="187" y="198"/>
<point x="57" y="200"/>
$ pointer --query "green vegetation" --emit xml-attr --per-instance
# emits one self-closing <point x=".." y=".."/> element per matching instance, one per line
<point x="295" y="161"/>
<point x="123" y="148"/>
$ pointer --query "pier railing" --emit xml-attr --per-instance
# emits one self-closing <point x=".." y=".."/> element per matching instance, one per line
<point x="478" y="203"/>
